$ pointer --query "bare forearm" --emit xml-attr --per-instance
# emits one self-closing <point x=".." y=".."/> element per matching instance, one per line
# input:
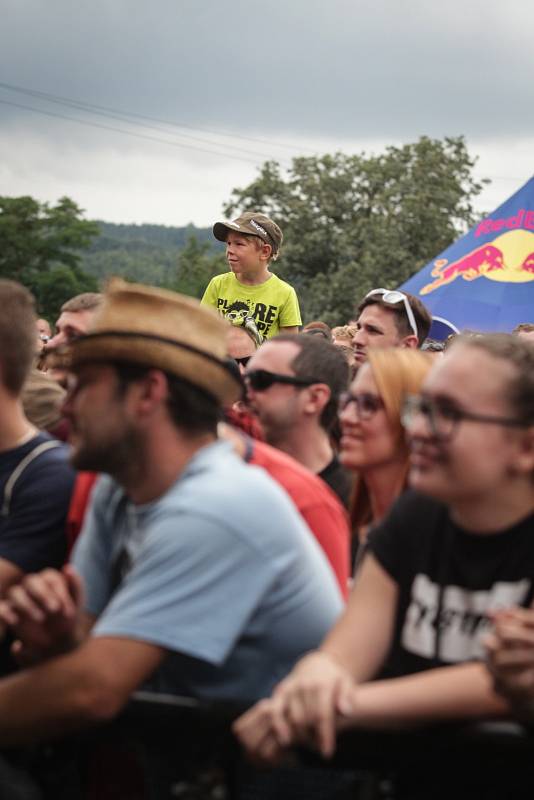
<point x="41" y="702"/>
<point x="459" y="692"/>
<point x="88" y="685"/>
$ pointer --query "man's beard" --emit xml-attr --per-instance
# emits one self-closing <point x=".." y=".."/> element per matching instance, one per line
<point x="121" y="457"/>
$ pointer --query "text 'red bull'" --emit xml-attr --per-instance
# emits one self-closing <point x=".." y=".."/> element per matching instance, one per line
<point x="523" y="219"/>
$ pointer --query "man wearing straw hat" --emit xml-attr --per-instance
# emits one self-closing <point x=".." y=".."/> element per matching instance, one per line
<point x="200" y="577"/>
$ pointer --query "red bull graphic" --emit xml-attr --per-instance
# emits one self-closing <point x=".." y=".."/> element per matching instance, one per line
<point x="509" y="258"/>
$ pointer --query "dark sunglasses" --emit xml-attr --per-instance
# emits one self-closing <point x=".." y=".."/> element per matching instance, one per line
<point x="262" y="379"/>
<point x="366" y="404"/>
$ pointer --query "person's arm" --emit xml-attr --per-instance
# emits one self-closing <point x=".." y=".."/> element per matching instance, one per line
<point x="459" y="692"/>
<point x="321" y="686"/>
<point x="89" y="685"/>
<point x="361" y="638"/>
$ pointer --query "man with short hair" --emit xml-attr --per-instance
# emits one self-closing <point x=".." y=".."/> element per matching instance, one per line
<point x="293" y="384"/>
<point x="35" y="478"/>
<point x="390" y="319"/>
<point x="187" y="586"/>
<point x="75" y="319"/>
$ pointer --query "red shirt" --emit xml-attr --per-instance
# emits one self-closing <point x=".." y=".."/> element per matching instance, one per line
<point x="324" y="514"/>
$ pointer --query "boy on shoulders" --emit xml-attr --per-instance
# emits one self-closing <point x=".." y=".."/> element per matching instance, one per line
<point x="249" y="289"/>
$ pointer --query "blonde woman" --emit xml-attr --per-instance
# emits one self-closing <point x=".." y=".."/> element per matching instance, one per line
<point x="373" y="443"/>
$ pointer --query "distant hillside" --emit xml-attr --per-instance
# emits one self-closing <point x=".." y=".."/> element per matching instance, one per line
<point x="146" y="253"/>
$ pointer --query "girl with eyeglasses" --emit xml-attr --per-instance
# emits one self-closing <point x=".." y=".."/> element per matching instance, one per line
<point x="373" y="443"/>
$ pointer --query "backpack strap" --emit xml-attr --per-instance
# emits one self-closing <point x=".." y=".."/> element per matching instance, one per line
<point x="19" y="469"/>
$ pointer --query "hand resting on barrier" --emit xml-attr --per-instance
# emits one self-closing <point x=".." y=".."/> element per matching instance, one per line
<point x="44" y="612"/>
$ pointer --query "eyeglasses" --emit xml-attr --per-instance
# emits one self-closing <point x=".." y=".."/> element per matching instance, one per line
<point x="366" y="404"/>
<point x="261" y="379"/>
<point x="243" y="361"/>
<point x="443" y="418"/>
<point x="393" y="298"/>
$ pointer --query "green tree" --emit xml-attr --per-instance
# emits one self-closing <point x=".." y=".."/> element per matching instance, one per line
<point x="40" y="247"/>
<point x="197" y="264"/>
<point x="355" y="222"/>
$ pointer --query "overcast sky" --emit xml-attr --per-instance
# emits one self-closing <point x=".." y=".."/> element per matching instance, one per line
<point x="278" y="79"/>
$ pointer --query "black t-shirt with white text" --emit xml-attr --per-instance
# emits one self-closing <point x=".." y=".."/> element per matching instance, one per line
<point x="449" y="576"/>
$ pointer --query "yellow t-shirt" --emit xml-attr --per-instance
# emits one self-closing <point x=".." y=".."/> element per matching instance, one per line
<point x="272" y="304"/>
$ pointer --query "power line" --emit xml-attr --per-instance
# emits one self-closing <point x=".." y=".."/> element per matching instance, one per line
<point x="127" y="116"/>
<point x="124" y="118"/>
<point x="127" y="133"/>
<point x="107" y="109"/>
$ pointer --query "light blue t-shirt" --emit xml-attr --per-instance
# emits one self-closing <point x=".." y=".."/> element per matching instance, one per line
<point x="221" y="571"/>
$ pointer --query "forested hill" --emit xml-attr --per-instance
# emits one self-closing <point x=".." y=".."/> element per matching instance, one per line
<point x="146" y="253"/>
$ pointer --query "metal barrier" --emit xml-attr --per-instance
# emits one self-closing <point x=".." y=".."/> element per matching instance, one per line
<point x="163" y="747"/>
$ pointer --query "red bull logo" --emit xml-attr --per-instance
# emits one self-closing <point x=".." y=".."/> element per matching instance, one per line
<point x="509" y="258"/>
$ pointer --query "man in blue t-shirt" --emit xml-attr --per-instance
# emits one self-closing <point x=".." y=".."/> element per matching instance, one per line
<point x="200" y="575"/>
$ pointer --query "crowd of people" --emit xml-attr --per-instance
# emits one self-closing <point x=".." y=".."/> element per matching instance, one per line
<point x="333" y="526"/>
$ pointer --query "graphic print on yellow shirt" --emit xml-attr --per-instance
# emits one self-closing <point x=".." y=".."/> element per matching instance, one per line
<point x="272" y="305"/>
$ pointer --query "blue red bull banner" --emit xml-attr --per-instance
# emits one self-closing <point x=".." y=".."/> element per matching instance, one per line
<point x="485" y="280"/>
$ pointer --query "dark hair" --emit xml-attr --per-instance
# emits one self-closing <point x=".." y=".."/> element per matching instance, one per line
<point x="520" y="354"/>
<point x="325" y="363"/>
<point x="191" y="409"/>
<point x="17" y="334"/>
<point x="422" y="316"/>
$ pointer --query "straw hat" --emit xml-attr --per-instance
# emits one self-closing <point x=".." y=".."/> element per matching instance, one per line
<point x="161" y="329"/>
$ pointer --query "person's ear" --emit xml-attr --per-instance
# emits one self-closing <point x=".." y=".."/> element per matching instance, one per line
<point x="525" y="457"/>
<point x="318" y="395"/>
<point x="410" y="342"/>
<point x="150" y="392"/>
<point x="266" y="252"/>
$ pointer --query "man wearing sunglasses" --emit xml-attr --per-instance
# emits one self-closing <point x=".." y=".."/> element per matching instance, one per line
<point x="293" y="384"/>
<point x="389" y="318"/>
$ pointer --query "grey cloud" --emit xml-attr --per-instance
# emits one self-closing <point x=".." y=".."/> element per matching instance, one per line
<point x="339" y="68"/>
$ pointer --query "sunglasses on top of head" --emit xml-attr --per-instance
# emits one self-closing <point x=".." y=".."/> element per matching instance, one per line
<point x="393" y="298"/>
<point x="261" y="379"/>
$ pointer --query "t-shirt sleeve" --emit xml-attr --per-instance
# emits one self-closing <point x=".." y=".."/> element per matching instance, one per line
<point x="290" y="311"/>
<point x="392" y="541"/>
<point x="193" y="587"/>
<point x="209" y="298"/>
<point x="33" y="535"/>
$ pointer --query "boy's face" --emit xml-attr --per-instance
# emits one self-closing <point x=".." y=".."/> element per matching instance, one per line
<point x="245" y="254"/>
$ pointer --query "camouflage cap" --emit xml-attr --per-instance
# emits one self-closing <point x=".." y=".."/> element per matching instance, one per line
<point x="252" y="224"/>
